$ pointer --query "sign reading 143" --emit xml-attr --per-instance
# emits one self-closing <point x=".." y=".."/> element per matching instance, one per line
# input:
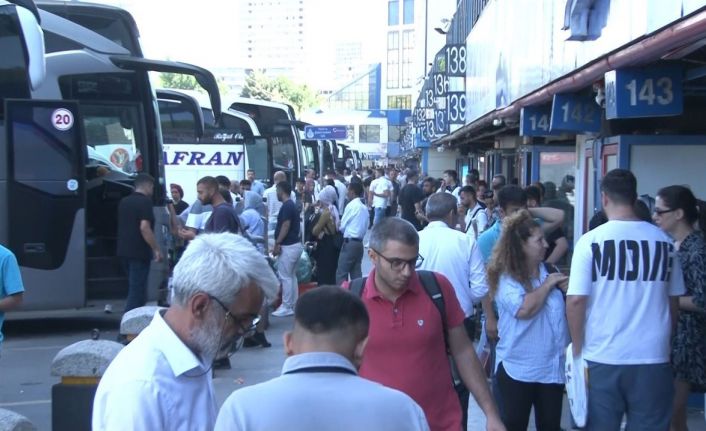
<point x="654" y="91"/>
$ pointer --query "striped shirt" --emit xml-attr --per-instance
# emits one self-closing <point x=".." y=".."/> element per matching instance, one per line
<point x="531" y="350"/>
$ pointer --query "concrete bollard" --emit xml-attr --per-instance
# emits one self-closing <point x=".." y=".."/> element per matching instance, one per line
<point x="11" y="421"/>
<point x="80" y="366"/>
<point x="135" y="320"/>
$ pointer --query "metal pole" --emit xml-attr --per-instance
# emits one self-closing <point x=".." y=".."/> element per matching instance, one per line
<point x="426" y="36"/>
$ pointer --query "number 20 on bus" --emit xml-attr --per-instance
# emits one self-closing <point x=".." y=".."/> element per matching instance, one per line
<point x="644" y="92"/>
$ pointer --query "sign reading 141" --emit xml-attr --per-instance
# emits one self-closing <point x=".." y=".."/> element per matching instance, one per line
<point x="535" y="121"/>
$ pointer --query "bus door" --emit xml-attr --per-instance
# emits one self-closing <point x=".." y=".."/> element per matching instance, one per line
<point x="45" y="156"/>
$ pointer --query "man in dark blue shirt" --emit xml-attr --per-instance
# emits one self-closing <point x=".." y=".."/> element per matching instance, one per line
<point x="223" y="218"/>
<point x="288" y="248"/>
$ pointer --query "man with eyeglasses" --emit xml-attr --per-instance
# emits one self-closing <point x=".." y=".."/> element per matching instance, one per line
<point x="406" y="348"/>
<point x="162" y="379"/>
<point x="319" y="387"/>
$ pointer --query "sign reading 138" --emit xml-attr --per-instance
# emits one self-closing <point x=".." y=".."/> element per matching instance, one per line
<point x="653" y="91"/>
<point x="457" y="60"/>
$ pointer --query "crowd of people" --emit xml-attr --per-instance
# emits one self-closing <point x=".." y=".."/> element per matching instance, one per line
<point x="443" y="255"/>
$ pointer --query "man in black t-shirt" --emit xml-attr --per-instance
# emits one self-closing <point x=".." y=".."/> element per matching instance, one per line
<point x="410" y="200"/>
<point x="136" y="241"/>
<point x="288" y="249"/>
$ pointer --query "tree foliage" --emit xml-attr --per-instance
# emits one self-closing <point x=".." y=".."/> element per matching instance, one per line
<point x="279" y="89"/>
<point x="178" y="81"/>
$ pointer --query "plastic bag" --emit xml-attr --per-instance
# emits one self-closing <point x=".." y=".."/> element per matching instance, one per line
<point x="304" y="268"/>
<point x="576" y="386"/>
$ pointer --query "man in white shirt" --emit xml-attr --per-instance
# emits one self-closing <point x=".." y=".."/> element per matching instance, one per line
<point x="379" y="195"/>
<point x="340" y="190"/>
<point x="256" y="185"/>
<point x="476" y="219"/>
<point x="455" y="255"/>
<point x="354" y="225"/>
<point x="622" y="306"/>
<point x="319" y="388"/>
<point x="162" y="379"/>
<point x="450" y="184"/>
<point x="272" y="203"/>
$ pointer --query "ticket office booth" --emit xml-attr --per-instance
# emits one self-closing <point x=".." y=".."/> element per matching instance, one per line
<point x="547" y="164"/>
<point x="465" y="164"/>
<point x="656" y="161"/>
<point x="501" y="162"/>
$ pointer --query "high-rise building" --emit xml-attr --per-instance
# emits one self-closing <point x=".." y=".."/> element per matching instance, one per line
<point x="411" y="44"/>
<point x="348" y="63"/>
<point x="273" y="36"/>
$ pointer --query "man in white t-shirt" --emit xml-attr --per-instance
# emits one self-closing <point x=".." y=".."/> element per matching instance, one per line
<point x="622" y="307"/>
<point x="379" y="195"/>
<point x="450" y="184"/>
<point x="273" y="204"/>
<point x="476" y="219"/>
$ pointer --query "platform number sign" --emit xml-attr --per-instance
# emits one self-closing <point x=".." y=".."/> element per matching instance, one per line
<point x="457" y="108"/>
<point x="654" y="91"/>
<point x="456" y="101"/>
<point x="575" y="113"/>
<point x="536" y="121"/>
<point x="456" y="60"/>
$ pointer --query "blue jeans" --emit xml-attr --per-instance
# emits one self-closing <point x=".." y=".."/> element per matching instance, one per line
<point x="379" y="215"/>
<point x="643" y="392"/>
<point x="138" y="271"/>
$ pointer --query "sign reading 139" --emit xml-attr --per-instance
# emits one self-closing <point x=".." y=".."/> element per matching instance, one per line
<point x="457" y="108"/>
<point x="652" y="91"/>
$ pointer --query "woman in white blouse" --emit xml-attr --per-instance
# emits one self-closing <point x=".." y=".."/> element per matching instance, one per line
<point x="532" y="326"/>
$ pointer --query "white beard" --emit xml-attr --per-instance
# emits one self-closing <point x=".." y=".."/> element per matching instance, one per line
<point x="207" y="338"/>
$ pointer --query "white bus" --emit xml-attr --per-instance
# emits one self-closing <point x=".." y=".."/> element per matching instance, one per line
<point x="261" y="139"/>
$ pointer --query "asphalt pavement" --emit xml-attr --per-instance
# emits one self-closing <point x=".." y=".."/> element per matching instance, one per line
<point x="30" y="346"/>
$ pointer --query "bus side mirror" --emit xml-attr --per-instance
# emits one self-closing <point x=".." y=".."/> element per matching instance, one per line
<point x="34" y="45"/>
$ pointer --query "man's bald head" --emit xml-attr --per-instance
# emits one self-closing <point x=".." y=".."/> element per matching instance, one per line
<point x="279" y="177"/>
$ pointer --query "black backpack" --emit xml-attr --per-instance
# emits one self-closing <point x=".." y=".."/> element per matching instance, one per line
<point x="431" y="287"/>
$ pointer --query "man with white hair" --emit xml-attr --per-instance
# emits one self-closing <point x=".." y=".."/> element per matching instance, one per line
<point x="162" y="379"/>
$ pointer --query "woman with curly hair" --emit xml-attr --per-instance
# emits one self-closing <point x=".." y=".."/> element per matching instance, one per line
<point x="532" y="326"/>
<point x="677" y="212"/>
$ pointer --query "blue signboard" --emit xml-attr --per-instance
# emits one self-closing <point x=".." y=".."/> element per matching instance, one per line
<point x="535" y="121"/>
<point x="440" y="87"/>
<point x="575" y="113"/>
<point x="325" y="132"/>
<point x="654" y="91"/>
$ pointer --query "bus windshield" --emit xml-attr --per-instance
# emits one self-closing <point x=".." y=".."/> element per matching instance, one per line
<point x="112" y="119"/>
<point x="113" y="136"/>
<point x="275" y="125"/>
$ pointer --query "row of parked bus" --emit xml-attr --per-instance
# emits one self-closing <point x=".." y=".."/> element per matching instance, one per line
<point x="79" y="118"/>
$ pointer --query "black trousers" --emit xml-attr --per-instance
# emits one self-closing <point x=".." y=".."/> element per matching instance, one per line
<point x="519" y="398"/>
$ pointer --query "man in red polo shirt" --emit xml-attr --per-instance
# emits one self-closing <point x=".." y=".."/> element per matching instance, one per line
<point x="406" y="348"/>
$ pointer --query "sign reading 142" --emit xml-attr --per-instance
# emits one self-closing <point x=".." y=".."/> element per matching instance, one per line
<point x="654" y="91"/>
